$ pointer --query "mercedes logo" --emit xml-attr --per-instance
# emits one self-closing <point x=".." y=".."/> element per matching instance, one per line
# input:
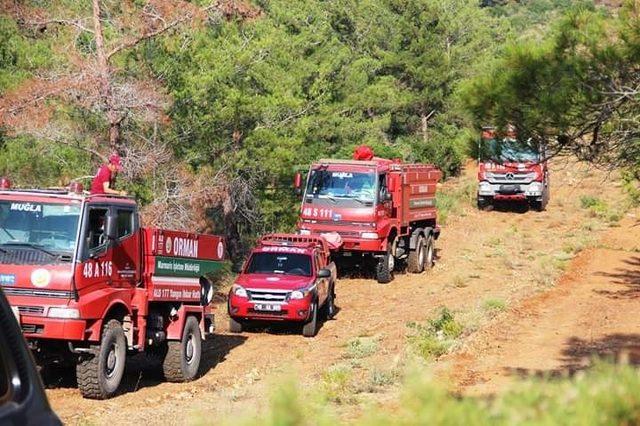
<point x="509" y="176"/>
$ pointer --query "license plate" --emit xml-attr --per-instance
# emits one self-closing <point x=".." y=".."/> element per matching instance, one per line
<point x="16" y="312"/>
<point x="267" y="308"/>
<point x="510" y="189"/>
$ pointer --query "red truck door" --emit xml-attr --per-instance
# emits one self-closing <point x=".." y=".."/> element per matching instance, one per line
<point x="97" y="259"/>
<point x="126" y="247"/>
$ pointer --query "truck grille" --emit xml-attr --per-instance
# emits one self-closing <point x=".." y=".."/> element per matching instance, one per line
<point x="268" y="296"/>
<point x="25" y="257"/>
<point x="32" y="328"/>
<point x="58" y="294"/>
<point x="31" y="310"/>
<point x="510" y="178"/>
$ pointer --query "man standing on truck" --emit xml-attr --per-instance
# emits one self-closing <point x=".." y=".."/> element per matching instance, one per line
<point x="105" y="179"/>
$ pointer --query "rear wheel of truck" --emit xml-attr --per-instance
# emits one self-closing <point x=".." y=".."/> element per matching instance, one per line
<point x="384" y="268"/>
<point x="99" y="375"/>
<point x="310" y="329"/>
<point x="182" y="362"/>
<point x="235" y="326"/>
<point x="429" y="252"/>
<point x="416" y="259"/>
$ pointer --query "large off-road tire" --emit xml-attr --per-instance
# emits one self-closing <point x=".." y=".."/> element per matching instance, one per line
<point x="99" y="375"/>
<point x="310" y="328"/>
<point x="484" y="203"/>
<point x="416" y="258"/>
<point x="429" y="252"/>
<point x="330" y="304"/>
<point x="235" y="326"/>
<point x="384" y="268"/>
<point x="538" y="206"/>
<point x="182" y="362"/>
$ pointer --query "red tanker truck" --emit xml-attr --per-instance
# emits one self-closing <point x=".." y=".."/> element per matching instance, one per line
<point x="89" y="285"/>
<point x="511" y="170"/>
<point x="384" y="210"/>
<point x="287" y="278"/>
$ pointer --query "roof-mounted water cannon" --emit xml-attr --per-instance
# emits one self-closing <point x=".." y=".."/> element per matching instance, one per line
<point x="5" y="183"/>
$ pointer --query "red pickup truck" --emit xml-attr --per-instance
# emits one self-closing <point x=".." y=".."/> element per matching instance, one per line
<point x="90" y="285"/>
<point x="288" y="277"/>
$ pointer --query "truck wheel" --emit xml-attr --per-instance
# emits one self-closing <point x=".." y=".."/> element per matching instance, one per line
<point x="99" y="376"/>
<point x="183" y="357"/>
<point x="415" y="261"/>
<point x="235" y="326"/>
<point x="484" y="203"/>
<point x="429" y="252"/>
<point x="310" y="329"/>
<point x="384" y="268"/>
<point x="538" y="206"/>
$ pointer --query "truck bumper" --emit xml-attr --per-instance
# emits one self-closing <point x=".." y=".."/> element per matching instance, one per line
<point x="51" y="328"/>
<point x="295" y="310"/>
<point x="512" y="191"/>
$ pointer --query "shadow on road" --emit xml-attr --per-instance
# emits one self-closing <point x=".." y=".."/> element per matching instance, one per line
<point x="627" y="278"/>
<point x="579" y="355"/>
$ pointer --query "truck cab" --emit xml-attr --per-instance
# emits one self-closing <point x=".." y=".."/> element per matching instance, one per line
<point x="511" y="170"/>
<point x="90" y="284"/>
<point x="287" y="277"/>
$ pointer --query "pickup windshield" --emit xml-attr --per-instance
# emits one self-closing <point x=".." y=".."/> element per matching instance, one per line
<point x="48" y="228"/>
<point x="333" y="185"/>
<point x="508" y="150"/>
<point x="280" y="263"/>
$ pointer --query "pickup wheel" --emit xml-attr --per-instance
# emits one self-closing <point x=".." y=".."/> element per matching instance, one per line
<point x="384" y="268"/>
<point x="310" y="329"/>
<point x="182" y="362"/>
<point x="484" y="203"/>
<point x="330" y="304"/>
<point x="235" y="326"/>
<point x="416" y="259"/>
<point x="99" y="375"/>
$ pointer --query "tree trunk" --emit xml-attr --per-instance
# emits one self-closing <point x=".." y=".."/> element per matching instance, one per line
<point x="423" y="120"/>
<point x="232" y="234"/>
<point x="105" y="81"/>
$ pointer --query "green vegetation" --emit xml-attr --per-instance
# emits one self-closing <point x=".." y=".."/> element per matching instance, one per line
<point x="361" y="347"/>
<point x="604" y="395"/>
<point x="452" y="201"/>
<point x="435" y="338"/>
<point x="600" y="209"/>
<point x="494" y="305"/>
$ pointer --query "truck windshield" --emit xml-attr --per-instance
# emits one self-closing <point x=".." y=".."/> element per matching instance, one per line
<point x="49" y="228"/>
<point x="331" y="184"/>
<point x="508" y="150"/>
<point x="280" y="263"/>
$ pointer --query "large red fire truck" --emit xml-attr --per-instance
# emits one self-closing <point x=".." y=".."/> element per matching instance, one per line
<point x="511" y="170"/>
<point x="384" y="210"/>
<point x="288" y="277"/>
<point x="89" y="285"/>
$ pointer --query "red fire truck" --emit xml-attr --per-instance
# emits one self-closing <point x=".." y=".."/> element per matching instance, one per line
<point x="89" y="285"/>
<point x="511" y="170"/>
<point x="384" y="210"/>
<point x="288" y="277"/>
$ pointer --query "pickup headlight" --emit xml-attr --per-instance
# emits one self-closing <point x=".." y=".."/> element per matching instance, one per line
<point x="239" y="291"/>
<point x="370" y="235"/>
<point x="64" y="313"/>
<point x="297" y="295"/>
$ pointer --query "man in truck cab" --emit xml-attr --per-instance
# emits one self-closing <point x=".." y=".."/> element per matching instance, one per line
<point x="105" y="179"/>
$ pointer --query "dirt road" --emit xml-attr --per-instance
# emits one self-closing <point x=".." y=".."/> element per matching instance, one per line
<point x="486" y="260"/>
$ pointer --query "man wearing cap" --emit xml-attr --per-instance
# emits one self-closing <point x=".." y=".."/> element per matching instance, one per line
<point x="105" y="179"/>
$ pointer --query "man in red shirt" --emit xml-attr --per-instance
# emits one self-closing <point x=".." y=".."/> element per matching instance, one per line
<point x="105" y="179"/>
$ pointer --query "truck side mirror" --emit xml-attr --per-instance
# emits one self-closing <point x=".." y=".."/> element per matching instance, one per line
<point x="324" y="273"/>
<point x="387" y="196"/>
<point x="111" y="227"/>
<point x="297" y="183"/>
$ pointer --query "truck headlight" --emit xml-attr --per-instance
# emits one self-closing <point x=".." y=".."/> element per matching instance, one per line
<point x="305" y="232"/>
<point x="64" y="313"/>
<point x="369" y="235"/>
<point x="239" y="291"/>
<point x="297" y="295"/>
